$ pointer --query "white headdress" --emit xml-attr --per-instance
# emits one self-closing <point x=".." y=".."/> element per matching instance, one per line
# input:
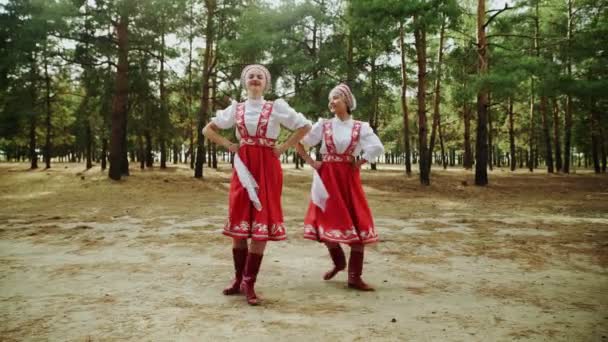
<point x="258" y="67"/>
<point x="344" y="91"/>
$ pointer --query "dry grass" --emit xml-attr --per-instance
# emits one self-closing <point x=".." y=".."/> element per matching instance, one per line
<point x="525" y="258"/>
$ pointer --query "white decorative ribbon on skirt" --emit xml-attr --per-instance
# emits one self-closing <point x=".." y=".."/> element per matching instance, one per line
<point x="318" y="192"/>
<point x="247" y="181"/>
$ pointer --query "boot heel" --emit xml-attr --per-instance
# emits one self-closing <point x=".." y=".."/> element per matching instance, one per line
<point x="339" y="260"/>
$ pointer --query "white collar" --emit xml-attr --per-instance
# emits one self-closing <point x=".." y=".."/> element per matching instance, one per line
<point x="257" y="101"/>
<point x="345" y="122"/>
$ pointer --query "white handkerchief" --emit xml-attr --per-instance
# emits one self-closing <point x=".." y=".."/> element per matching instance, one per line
<point x="318" y="192"/>
<point x="247" y="181"/>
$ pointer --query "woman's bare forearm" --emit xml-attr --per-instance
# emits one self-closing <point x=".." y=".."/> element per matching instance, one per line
<point x="302" y="152"/>
<point x="211" y="132"/>
<point x="295" y="137"/>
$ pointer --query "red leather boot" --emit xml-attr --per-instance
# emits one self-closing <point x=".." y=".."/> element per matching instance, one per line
<point x="355" y="268"/>
<point x="239" y="256"/>
<point x="337" y="256"/>
<point x="249" y="276"/>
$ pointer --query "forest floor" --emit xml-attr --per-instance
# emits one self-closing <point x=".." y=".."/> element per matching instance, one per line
<point x="83" y="258"/>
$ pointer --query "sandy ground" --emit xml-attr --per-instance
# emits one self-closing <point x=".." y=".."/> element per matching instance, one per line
<point x="83" y="258"/>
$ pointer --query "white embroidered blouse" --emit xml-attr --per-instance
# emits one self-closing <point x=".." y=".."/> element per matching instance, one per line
<point x="282" y="115"/>
<point x="368" y="141"/>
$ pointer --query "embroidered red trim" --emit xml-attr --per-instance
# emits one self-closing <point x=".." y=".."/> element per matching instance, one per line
<point x="260" y="138"/>
<point x="328" y="136"/>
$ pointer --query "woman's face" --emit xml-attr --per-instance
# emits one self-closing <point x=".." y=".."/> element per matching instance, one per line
<point x="337" y="104"/>
<point x="256" y="82"/>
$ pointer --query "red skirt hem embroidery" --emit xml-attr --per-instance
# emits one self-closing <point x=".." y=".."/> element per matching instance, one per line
<point x="244" y="221"/>
<point x="347" y="217"/>
<point x="260" y="232"/>
<point x="312" y="233"/>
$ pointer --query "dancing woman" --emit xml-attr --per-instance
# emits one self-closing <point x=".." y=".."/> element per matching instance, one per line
<point x="254" y="210"/>
<point x="338" y="212"/>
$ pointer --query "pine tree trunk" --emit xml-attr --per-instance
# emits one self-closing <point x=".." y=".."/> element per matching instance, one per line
<point x="511" y="134"/>
<point x="547" y="134"/>
<point x="481" y="149"/>
<point x="543" y="99"/>
<point x="124" y="167"/>
<point x="34" y="114"/>
<point x="119" y="104"/>
<point x="596" y="138"/>
<point x="558" y="147"/>
<point x="601" y="137"/>
<point x="89" y="145"/>
<point x="141" y="152"/>
<point x="213" y="152"/>
<point x="373" y="120"/>
<point x="295" y="160"/>
<point x="498" y="157"/>
<point x="603" y="147"/>
<point x="210" y="5"/>
<point x="491" y="155"/>
<point x="89" y="92"/>
<point x="176" y="154"/>
<point x="437" y="93"/>
<point x="47" y="80"/>
<point x="444" y="159"/>
<point x="531" y="157"/>
<point x="191" y="125"/>
<point x="163" y="99"/>
<point x="467" y="161"/>
<point x="420" y="42"/>
<point x="192" y="149"/>
<point x="33" y="154"/>
<point x="406" y="120"/>
<point x="148" y="153"/>
<point x="452" y="157"/>
<point x="568" y="114"/>
<point x="104" y="153"/>
<point x="214" y="156"/>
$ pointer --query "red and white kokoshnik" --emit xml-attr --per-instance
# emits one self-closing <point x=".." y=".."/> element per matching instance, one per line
<point x="257" y="67"/>
<point x="344" y="91"/>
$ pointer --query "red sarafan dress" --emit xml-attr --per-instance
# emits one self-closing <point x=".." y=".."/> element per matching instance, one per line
<point x="256" y="152"/>
<point x="347" y="217"/>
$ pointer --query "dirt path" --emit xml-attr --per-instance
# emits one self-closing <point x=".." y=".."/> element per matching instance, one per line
<point x="86" y="259"/>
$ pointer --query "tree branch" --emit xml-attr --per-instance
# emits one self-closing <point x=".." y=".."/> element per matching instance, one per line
<point x="500" y="46"/>
<point x="144" y="50"/>
<point x="496" y="14"/>
<point x="82" y="63"/>
<point x="509" y="35"/>
<point x="93" y="39"/>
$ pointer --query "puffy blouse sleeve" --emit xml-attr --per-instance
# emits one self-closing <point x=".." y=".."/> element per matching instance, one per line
<point x="315" y="135"/>
<point x="225" y="119"/>
<point x="287" y="116"/>
<point x="370" y="143"/>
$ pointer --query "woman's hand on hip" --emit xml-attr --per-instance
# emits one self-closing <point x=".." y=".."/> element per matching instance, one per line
<point x="315" y="164"/>
<point x="357" y="163"/>
<point x="278" y="151"/>
<point x="233" y="147"/>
